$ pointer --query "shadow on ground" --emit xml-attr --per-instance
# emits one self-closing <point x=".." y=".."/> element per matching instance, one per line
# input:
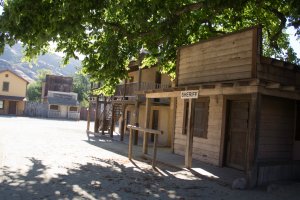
<point x="103" y="179"/>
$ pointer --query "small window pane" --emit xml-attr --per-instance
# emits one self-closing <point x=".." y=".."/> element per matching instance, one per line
<point x="5" y="86"/>
<point x="53" y="107"/>
<point x="72" y="108"/>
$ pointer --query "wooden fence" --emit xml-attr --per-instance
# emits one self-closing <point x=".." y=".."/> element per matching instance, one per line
<point x="36" y="109"/>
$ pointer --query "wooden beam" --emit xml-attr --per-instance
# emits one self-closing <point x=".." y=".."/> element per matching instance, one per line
<point x="189" y="139"/>
<point x="279" y="93"/>
<point x="88" y="118"/>
<point x="146" y="125"/>
<point x="163" y="94"/>
<point x="122" y="124"/>
<point x="112" y="125"/>
<point x="130" y="145"/>
<point x="288" y="88"/>
<point x="154" y="150"/>
<point x="96" y="124"/>
<point x="273" y="85"/>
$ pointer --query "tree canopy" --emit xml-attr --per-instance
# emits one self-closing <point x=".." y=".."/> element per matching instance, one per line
<point x="111" y="33"/>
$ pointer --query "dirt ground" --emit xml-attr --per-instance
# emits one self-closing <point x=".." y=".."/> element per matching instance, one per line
<point x="53" y="159"/>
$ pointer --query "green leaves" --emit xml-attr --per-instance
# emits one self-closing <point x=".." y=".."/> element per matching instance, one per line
<point x="110" y="34"/>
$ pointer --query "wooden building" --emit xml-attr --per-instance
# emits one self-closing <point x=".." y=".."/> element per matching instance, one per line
<point x="62" y="102"/>
<point x="128" y="104"/>
<point x="236" y="108"/>
<point x="12" y="93"/>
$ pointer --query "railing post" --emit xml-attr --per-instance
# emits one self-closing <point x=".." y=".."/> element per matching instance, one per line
<point x="154" y="150"/>
<point x="130" y="144"/>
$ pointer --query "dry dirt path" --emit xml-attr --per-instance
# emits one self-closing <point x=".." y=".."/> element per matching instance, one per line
<point x="52" y="159"/>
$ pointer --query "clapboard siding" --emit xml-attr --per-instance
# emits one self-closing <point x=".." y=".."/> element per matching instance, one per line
<point x="204" y="149"/>
<point x="221" y="59"/>
<point x="276" y="129"/>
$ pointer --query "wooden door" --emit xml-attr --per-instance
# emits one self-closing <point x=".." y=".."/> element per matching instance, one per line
<point x="237" y="133"/>
<point x="12" y="108"/>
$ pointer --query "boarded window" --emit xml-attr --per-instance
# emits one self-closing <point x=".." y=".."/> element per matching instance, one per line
<point x="1" y="104"/>
<point x="200" y="118"/>
<point x="185" y="117"/>
<point x="73" y="108"/>
<point x="297" y="134"/>
<point x="5" y="86"/>
<point x="53" y="107"/>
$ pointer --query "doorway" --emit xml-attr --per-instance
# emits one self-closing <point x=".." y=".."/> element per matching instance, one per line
<point x="237" y="130"/>
<point x="12" y="108"/>
<point x="155" y="115"/>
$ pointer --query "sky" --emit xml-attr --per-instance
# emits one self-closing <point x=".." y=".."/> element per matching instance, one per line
<point x="291" y="31"/>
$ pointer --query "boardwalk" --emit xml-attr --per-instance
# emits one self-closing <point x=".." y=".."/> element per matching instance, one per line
<point x="52" y="159"/>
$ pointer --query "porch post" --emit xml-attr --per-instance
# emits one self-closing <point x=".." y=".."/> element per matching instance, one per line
<point x="146" y="125"/>
<point x="189" y="139"/>
<point x="104" y="115"/>
<point x="122" y="123"/>
<point x="96" y="125"/>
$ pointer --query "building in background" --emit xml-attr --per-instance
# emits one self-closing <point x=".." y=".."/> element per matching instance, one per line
<point x="62" y="102"/>
<point x="12" y="93"/>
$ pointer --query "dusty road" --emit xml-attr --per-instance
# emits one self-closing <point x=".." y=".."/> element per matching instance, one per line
<point x="52" y="159"/>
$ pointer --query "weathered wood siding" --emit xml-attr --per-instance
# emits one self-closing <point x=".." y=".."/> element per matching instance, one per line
<point x="224" y="58"/>
<point x="278" y="71"/>
<point x="276" y="129"/>
<point x="204" y="149"/>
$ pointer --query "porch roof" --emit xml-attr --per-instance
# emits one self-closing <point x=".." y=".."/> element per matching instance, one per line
<point x="12" y="98"/>
<point x="63" y="101"/>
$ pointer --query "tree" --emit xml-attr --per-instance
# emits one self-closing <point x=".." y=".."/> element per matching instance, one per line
<point x="81" y="86"/>
<point x="34" y="90"/>
<point x="110" y="34"/>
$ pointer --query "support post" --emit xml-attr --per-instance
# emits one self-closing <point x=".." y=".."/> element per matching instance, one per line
<point x="147" y="122"/>
<point x="130" y="145"/>
<point x="104" y="116"/>
<point x="96" y="125"/>
<point x="112" y="125"/>
<point x="122" y="123"/>
<point x="189" y="139"/>
<point x="136" y="134"/>
<point x="88" y="118"/>
<point x="154" y="150"/>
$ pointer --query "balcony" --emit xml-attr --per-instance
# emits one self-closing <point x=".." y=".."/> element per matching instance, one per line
<point x="130" y="89"/>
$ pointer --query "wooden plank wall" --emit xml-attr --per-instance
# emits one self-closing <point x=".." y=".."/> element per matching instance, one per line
<point x="276" y="129"/>
<point x="206" y="150"/>
<point x="220" y="59"/>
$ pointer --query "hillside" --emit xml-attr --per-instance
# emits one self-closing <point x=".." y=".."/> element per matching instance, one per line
<point x="12" y="56"/>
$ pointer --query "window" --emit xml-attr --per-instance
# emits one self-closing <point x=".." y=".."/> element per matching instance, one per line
<point x="5" y="86"/>
<point x="6" y="75"/>
<point x="53" y="107"/>
<point x="1" y="104"/>
<point x="72" y="108"/>
<point x="199" y="117"/>
<point x="297" y="133"/>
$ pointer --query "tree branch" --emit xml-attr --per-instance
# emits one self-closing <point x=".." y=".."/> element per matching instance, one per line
<point x="189" y="8"/>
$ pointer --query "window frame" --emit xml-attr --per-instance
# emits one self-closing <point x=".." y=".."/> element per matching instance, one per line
<point x="56" y="106"/>
<point x="186" y="114"/>
<point x="3" y="86"/>
<point x="2" y="107"/>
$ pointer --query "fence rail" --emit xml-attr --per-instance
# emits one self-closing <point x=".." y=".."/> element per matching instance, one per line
<point x="145" y="131"/>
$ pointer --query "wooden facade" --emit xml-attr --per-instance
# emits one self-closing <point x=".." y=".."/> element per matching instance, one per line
<point x="250" y="117"/>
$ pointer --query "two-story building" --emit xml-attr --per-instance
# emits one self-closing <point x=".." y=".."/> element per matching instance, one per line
<point x="236" y="108"/>
<point x="62" y="103"/>
<point x="128" y="104"/>
<point x="12" y="93"/>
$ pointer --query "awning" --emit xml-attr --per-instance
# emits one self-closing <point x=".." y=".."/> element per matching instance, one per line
<point x="12" y="98"/>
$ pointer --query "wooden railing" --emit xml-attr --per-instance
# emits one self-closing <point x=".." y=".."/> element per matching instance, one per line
<point x="145" y="132"/>
<point x="130" y="88"/>
<point x="54" y="114"/>
<point x="74" y="115"/>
